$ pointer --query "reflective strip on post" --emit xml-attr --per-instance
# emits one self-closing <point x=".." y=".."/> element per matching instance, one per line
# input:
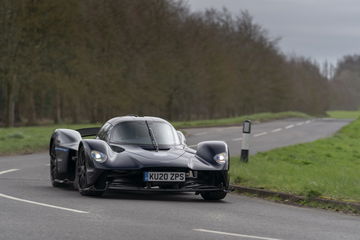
<point x="246" y="141"/>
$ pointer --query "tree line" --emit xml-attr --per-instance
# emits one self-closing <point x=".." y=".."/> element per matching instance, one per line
<point x="87" y="61"/>
<point x="345" y="84"/>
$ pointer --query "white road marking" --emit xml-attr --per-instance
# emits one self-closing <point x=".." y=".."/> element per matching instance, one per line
<point x="260" y="134"/>
<point x="10" y="170"/>
<point x="234" y="234"/>
<point x="277" y="130"/>
<point x="308" y="121"/>
<point x="237" y="139"/>
<point x="41" y="204"/>
<point x="192" y="146"/>
<point x="290" y="126"/>
<point x="300" y="123"/>
<point x="200" y="133"/>
<point x="227" y="128"/>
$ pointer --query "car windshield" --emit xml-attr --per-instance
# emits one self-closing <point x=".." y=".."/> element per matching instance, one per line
<point x="137" y="132"/>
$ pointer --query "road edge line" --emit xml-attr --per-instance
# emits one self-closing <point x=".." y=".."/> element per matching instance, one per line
<point x="9" y="171"/>
<point x="233" y="234"/>
<point x="40" y="204"/>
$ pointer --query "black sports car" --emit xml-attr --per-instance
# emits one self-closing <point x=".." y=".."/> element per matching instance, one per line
<point x="138" y="153"/>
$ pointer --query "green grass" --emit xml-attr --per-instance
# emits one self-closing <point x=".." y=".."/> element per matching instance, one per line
<point x="238" y="120"/>
<point x="344" y="114"/>
<point x="29" y="139"/>
<point x="328" y="168"/>
<point x="32" y="139"/>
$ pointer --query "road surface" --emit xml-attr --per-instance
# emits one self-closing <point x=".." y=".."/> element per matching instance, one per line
<point x="31" y="209"/>
<point x="270" y="135"/>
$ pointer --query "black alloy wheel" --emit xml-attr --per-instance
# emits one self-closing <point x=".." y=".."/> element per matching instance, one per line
<point x="53" y="169"/>
<point x="213" y="196"/>
<point x="81" y="176"/>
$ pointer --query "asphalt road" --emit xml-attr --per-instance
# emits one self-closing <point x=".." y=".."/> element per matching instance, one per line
<point x="31" y="209"/>
<point x="266" y="136"/>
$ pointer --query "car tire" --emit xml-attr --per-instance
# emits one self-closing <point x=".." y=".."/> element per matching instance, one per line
<point x="213" y="196"/>
<point x="80" y="182"/>
<point x="54" y="176"/>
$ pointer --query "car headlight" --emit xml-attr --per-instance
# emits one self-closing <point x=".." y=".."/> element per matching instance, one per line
<point x="221" y="157"/>
<point x="98" y="156"/>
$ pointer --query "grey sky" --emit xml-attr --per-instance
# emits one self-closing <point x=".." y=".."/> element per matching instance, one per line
<point x="319" y="29"/>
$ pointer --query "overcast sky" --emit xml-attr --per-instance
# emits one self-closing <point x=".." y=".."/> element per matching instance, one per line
<point x="319" y="29"/>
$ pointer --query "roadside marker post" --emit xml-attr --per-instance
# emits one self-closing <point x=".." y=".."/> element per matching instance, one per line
<point x="245" y="141"/>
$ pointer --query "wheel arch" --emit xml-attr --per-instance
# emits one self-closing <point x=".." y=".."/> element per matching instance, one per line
<point x="92" y="179"/>
<point x="207" y="150"/>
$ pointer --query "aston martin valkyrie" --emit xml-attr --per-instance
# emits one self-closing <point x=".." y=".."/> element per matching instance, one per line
<point x="137" y="153"/>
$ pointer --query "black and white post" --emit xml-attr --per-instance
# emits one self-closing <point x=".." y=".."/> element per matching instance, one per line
<point x="245" y="141"/>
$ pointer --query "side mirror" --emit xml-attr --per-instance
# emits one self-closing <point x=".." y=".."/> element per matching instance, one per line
<point x="181" y="137"/>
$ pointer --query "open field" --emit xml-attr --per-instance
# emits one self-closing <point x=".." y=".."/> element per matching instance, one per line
<point x="328" y="167"/>
<point x="32" y="139"/>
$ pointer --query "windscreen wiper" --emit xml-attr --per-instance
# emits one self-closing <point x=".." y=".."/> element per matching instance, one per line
<point x="152" y="137"/>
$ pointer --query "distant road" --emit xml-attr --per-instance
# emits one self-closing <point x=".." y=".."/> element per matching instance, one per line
<point x="270" y="135"/>
<point x="31" y="209"/>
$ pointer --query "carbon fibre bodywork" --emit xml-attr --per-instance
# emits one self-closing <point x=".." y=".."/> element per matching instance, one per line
<point x="126" y="164"/>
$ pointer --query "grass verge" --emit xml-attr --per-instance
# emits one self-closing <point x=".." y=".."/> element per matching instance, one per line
<point x="327" y="168"/>
<point x="325" y="204"/>
<point x="28" y="139"/>
<point x="32" y="139"/>
<point x="344" y="114"/>
<point x="261" y="117"/>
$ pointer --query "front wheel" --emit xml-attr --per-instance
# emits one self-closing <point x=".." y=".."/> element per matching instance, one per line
<point x="53" y="170"/>
<point x="213" y="196"/>
<point x="81" y="177"/>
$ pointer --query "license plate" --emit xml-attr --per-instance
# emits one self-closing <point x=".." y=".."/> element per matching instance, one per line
<point x="164" y="176"/>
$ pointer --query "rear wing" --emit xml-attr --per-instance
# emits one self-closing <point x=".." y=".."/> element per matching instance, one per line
<point x="88" y="132"/>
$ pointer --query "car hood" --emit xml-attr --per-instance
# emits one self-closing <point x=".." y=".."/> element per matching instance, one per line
<point x="161" y="155"/>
